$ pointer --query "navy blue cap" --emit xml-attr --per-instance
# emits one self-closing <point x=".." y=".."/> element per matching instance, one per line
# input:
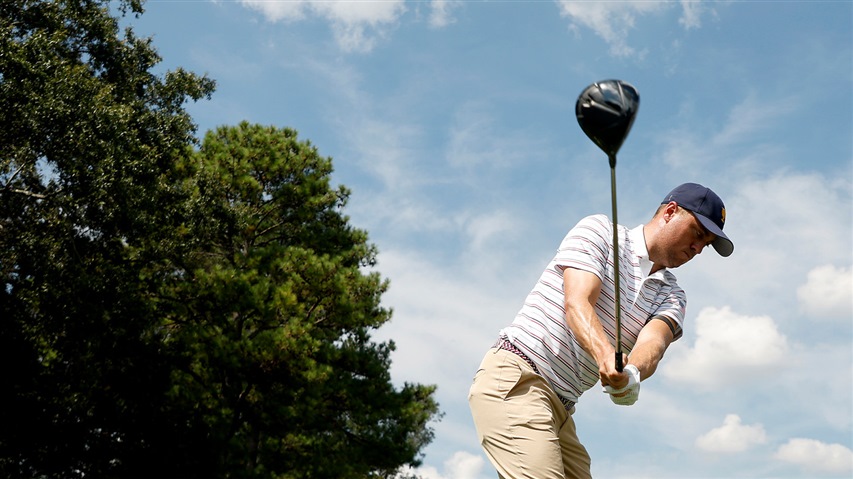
<point x="708" y="209"/>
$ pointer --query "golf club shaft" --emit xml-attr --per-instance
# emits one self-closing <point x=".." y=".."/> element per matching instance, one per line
<point x="619" y="365"/>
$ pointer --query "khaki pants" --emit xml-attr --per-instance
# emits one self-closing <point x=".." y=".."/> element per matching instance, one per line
<point x="522" y="425"/>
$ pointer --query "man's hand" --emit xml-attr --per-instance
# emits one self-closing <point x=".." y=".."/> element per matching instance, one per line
<point x="607" y="370"/>
<point x="628" y="394"/>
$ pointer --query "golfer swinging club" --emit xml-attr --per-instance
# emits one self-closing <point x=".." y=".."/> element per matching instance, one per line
<point x="561" y="341"/>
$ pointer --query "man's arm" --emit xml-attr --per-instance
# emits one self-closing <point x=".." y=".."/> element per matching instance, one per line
<point x="582" y="289"/>
<point x="652" y="342"/>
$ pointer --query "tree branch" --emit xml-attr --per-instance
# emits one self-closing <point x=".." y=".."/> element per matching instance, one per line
<point x="28" y="193"/>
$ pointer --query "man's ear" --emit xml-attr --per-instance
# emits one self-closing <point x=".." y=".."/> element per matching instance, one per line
<point x="669" y="211"/>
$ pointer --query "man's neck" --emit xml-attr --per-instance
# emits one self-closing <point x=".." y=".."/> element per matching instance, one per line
<point x="648" y="232"/>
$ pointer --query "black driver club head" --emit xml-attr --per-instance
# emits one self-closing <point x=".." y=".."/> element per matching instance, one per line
<point x="606" y="111"/>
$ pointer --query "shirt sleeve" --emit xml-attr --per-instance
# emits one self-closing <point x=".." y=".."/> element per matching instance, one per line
<point x="586" y="246"/>
<point x="674" y="308"/>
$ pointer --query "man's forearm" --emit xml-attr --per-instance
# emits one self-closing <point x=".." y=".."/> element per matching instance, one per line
<point x="646" y="359"/>
<point x="650" y="347"/>
<point x="581" y="293"/>
<point x="588" y="332"/>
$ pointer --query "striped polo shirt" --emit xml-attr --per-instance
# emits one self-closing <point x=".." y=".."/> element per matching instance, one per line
<point x="540" y="330"/>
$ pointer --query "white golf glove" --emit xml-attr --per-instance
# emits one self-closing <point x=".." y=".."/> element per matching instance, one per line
<point x="632" y="390"/>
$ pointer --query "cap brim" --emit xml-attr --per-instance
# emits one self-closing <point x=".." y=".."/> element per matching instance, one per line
<point x="722" y="244"/>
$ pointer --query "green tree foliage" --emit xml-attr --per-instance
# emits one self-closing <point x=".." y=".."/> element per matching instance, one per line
<point x="166" y="312"/>
<point x="88" y="137"/>
<point x="274" y="319"/>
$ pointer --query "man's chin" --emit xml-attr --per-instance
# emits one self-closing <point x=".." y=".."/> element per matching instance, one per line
<point x="676" y="264"/>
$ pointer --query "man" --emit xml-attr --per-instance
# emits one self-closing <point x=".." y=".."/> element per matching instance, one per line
<point x="561" y="341"/>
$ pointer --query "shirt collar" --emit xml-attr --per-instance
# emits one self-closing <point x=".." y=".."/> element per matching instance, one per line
<point x="638" y="241"/>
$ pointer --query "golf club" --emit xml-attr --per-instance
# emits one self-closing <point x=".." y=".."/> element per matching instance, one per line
<point x="605" y="112"/>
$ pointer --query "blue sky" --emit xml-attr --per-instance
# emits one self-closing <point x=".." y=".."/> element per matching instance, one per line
<point x="453" y="124"/>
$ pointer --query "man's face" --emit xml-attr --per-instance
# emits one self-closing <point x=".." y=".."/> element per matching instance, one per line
<point x="684" y="237"/>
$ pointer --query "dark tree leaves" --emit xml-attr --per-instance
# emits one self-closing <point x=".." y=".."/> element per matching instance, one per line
<point x="171" y="312"/>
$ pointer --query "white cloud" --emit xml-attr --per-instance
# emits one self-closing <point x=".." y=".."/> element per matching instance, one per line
<point x="751" y="116"/>
<point x="355" y="25"/>
<point x="776" y="235"/>
<point x="612" y="21"/>
<point x="729" y="348"/>
<point x="822" y="376"/>
<point x="771" y="206"/>
<point x="461" y="465"/>
<point x="827" y="293"/>
<point x="745" y="126"/>
<point x="278" y="11"/>
<point x="483" y="229"/>
<point x="367" y="13"/>
<point x="609" y="20"/>
<point x="732" y="436"/>
<point x="428" y="301"/>
<point x="476" y="140"/>
<point x="387" y="151"/>
<point x="692" y="11"/>
<point x="817" y="457"/>
<point x="440" y="12"/>
<point x="773" y="210"/>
